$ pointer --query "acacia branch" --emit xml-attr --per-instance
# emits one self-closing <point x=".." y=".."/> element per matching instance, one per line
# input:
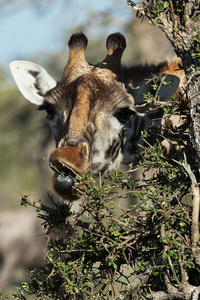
<point x="187" y="292"/>
<point x="195" y="201"/>
<point x="142" y="279"/>
<point x="141" y="11"/>
<point x="166" y="248"/>
<point x="41" y="207"/>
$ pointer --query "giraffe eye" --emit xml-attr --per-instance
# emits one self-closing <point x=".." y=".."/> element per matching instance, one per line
<point x="124" y="115"/>
<point x="50" y="113"/>
<point x="50" y="110"/>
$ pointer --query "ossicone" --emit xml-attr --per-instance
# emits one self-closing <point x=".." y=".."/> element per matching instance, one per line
<point x="115" y="44"/>
<point x="78" y="41"/>
<point x="77" y="62"/>
<point x="115" y="41"/>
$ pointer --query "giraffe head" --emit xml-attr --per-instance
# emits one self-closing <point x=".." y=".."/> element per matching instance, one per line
<point x="89" y="110"/>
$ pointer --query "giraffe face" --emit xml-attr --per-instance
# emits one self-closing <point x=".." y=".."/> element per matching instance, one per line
<point x="93" y="117"/>
<point x="88" y="118"/>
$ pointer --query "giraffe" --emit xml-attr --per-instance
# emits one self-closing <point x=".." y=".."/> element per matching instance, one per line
<point x="96" y="112"/>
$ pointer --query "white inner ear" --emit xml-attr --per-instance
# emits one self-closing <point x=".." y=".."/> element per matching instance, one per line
<point x="32" y="80"/>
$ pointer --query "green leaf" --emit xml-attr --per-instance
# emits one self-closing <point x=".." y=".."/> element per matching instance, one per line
<point x="173" y="254"/>
<point x="167" y="83"/>
<point x="166" y="4"/>
<point x="116" y="233"/>
<point x="182" y="224"/>
<point x="165" y="256"/>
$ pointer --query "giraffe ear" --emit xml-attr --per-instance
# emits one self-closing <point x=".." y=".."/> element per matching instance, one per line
<point x="163" y="86"/>
<point x="32" y="80"/>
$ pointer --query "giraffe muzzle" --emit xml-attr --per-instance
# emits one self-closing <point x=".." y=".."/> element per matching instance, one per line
<point x="68" y="162"/>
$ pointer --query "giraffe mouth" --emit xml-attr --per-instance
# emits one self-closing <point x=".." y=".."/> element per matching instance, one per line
<point x="64" y="183"/>
<point x="68" y="163"/>
<point x="65" y="177"/>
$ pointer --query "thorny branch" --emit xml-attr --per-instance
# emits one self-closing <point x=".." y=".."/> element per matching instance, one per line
<point x="180" y="290"/>
<point x="174" y="292"/>
<point x="52" y="212"/>
<point x="39" y="206"/>
<point x="196" y="201"/>
<point x="135" y="236"/>
<point x="140" y="11"/>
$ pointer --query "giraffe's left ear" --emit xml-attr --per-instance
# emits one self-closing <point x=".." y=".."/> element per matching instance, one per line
<point x="162" y="86"/>
<point x="32" y="80"/>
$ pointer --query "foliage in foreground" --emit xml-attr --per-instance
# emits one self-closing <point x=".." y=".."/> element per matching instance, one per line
<point x="108" y="252"/>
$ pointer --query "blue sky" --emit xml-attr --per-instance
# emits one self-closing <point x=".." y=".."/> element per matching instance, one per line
<point x="25" y="32"/>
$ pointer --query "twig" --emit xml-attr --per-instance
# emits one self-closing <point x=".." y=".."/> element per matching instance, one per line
<point x="183" y="271"/>
<point x="188" y="292"/>
<point x="195" y="202"/>
<point x="100" y="183"/>
<point x="135" y="218"/>
<point x="114" y="286"/>
<point x="166" y="248"/>
<point x="135" y="7"/>
<point x="25" y="200"/>
<point x="141" y="279"/>
<point x="49" y="210"/>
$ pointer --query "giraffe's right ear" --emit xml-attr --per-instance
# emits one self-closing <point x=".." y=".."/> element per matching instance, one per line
<point x="32" y="80"/>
